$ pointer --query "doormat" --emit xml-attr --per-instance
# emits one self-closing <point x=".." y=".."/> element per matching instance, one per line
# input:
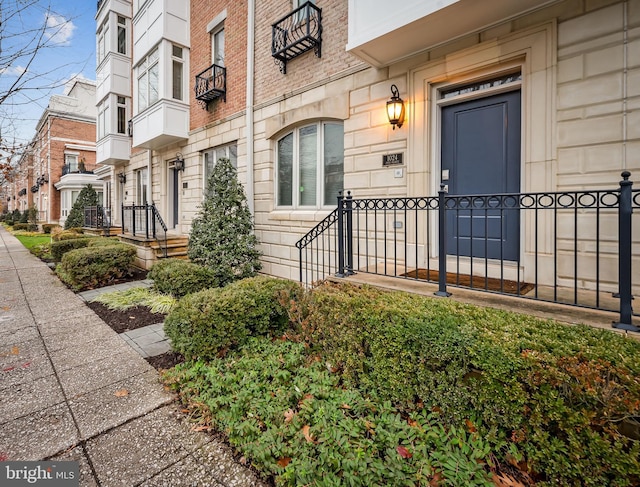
<point x="479" y="282"/>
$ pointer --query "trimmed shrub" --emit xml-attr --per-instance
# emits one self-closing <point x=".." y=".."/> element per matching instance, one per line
<point x="206" y="323"/>
<point x="87" y="197"/>
<point x="47" y="227"/>
<point x="87" y="268"/>
<point x="66" y="235"/>
<point x="105" y="241"/>
<point x="222" y="237"/>
<point x="545" y="391"/>
<point x="61" y="247"/>
<point x="24" y="216"/>
<point x="20" y="226"/>
<point x="179" y="277"/>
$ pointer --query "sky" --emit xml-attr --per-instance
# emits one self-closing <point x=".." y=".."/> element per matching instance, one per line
<point x="71" y="35"/>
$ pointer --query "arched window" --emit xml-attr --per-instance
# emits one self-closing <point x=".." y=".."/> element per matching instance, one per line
<point x="310" y="166"/>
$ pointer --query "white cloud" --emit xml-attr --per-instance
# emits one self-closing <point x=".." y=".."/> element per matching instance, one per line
<point x="59" y="30"/>
<point x="13" y="70"/>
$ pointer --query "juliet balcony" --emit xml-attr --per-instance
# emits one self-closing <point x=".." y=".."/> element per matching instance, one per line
<point x="296" y="33"/>
<point x="211" y="84"/>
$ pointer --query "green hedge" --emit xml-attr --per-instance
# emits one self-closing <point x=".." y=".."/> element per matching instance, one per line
<point x="61" y="247"/>
<point x="551" y="391"/>
<point x="47" y="227"/>
<point x="104" y="241"/>
<point x="29" y="227"/>
<point x="91" y="267"/>
<point x="180" y="277"/>
<point x="206" y="323"/>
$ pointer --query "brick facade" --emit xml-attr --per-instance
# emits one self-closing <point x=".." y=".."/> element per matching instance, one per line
<point x="235" y="26"/>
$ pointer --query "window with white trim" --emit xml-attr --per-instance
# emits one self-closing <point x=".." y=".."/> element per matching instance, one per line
<point x="103" y="40"/>
<point x="310" y="166"/>
<point x="211" y="156"/>
<point x="217" y="45"/>
<point x="103" y="119"/>
<point x="122" y="35"/>
<point x="121" y="122"/>
<point x="177" y="70"/>
<point x="71" y="161"/>
<point x="148" y="81"/>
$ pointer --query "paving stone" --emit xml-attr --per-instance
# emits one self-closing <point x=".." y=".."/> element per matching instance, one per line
<point x="28" y="397"/>
<point x="157" y="348"/>
<point x="101" y="373"/>
<point x="138" y="450"/>
<point x="187" y="472"/>
<point x="85" y="353"/>
<point x="223" y="468"/>
<point x="77" y="455"/>
<point x="38" y="435"/>
<point x="101" y="410"/>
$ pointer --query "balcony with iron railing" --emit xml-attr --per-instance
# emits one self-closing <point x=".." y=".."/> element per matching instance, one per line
<point x="77" y="168"/>
<point x="211" y="84"/>
<point x="296" y="33"/>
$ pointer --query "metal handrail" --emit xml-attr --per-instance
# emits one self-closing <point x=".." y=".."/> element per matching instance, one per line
<point x="144" y="220"/>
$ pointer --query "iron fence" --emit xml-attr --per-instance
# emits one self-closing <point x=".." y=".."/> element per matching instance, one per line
<point x="144" y="221"/>
<point x="569" y="247"/>
<point x="98" y="217"/>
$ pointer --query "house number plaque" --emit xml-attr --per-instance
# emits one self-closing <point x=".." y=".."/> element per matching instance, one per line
<point x="392" y="159"/>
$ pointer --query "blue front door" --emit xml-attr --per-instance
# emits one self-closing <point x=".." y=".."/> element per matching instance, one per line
<point x="481" y="154"/>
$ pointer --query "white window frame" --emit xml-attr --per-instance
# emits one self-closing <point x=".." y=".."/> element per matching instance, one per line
<point x="175" y="62"/>
<point x="217" y="43"/>
<point x="72" y="158"/>
<point x="121" y="107"/>
<point x="143" y="77"/>
<point x="218" y="152"/>
<point x="122" y="26"/>
<point x="214" y="27"/>
<point x="320" y="169"/>
<point x="103" y="41"/>
<point x="141" y="176"/>
<point x="102" y="121"/>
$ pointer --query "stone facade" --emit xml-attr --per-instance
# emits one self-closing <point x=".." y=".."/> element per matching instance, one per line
<point x="579" y="63"/>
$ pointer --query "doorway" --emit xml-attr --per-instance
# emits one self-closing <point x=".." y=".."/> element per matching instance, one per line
<point x="480" y="154"/>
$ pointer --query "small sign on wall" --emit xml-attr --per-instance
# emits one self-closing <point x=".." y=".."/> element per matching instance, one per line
<point x="392" y="159"/>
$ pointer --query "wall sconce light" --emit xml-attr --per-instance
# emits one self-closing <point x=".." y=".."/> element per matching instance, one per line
<point x="122" y="178"/>
<point x="179" y="164"/>
<point x="395" y="108"/>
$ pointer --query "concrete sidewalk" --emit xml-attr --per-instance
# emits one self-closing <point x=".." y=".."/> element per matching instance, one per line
<point x="72" y="389"/>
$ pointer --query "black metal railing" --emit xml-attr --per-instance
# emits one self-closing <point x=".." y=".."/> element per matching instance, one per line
<point x="569" y="247"/>
<point x="98" y="217"/>
<point x="211" y="84"/>
<point x="296" y="33"/>
<point x="76" y="168"/>
<point x="144" y="221"/>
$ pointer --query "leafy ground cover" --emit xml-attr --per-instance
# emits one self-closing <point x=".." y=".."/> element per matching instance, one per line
<point x="378" y="388"/>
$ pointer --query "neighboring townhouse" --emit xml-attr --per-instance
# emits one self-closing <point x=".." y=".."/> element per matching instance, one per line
<point x="536" y="97"/>
<point x="62" y="154"/>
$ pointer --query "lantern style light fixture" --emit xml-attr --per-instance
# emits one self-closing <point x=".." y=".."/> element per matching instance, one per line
<point x="122" y="178"/>
<point x="395" y="108"/>
<point x="179" y="164"/>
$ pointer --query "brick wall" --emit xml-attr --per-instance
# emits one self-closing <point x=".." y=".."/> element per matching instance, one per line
<point x="235" y="26"/>
<point x="306" y="68"/>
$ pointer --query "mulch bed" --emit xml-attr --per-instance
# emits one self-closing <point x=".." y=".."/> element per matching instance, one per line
<point x="165" y="361"/>
<point x="479" y="282"/>
<point x="127" y="320"/>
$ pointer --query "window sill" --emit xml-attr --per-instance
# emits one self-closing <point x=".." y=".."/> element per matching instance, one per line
<point x="300" y="214"/>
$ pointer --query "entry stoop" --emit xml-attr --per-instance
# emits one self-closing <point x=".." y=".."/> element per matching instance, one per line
<point x="176" y="248"/>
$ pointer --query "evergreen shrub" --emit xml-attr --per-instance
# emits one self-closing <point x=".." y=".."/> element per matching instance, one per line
<point x="222" y="237"/>
<point x="178" y="277"/>
<point x="206" y="323"/>
<point x="87" y="197"/>
<point x="47" y="227"/>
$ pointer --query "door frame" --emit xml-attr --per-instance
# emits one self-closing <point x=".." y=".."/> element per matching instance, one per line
<point x="435" y="118"/>
<point x="173" y="196"/>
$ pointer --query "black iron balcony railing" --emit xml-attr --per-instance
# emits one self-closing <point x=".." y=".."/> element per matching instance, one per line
<point x="577" y="247"/>
<point x="211" y="84"/>
<point x="76" y="168"/>
<point x="296" y="33"/>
